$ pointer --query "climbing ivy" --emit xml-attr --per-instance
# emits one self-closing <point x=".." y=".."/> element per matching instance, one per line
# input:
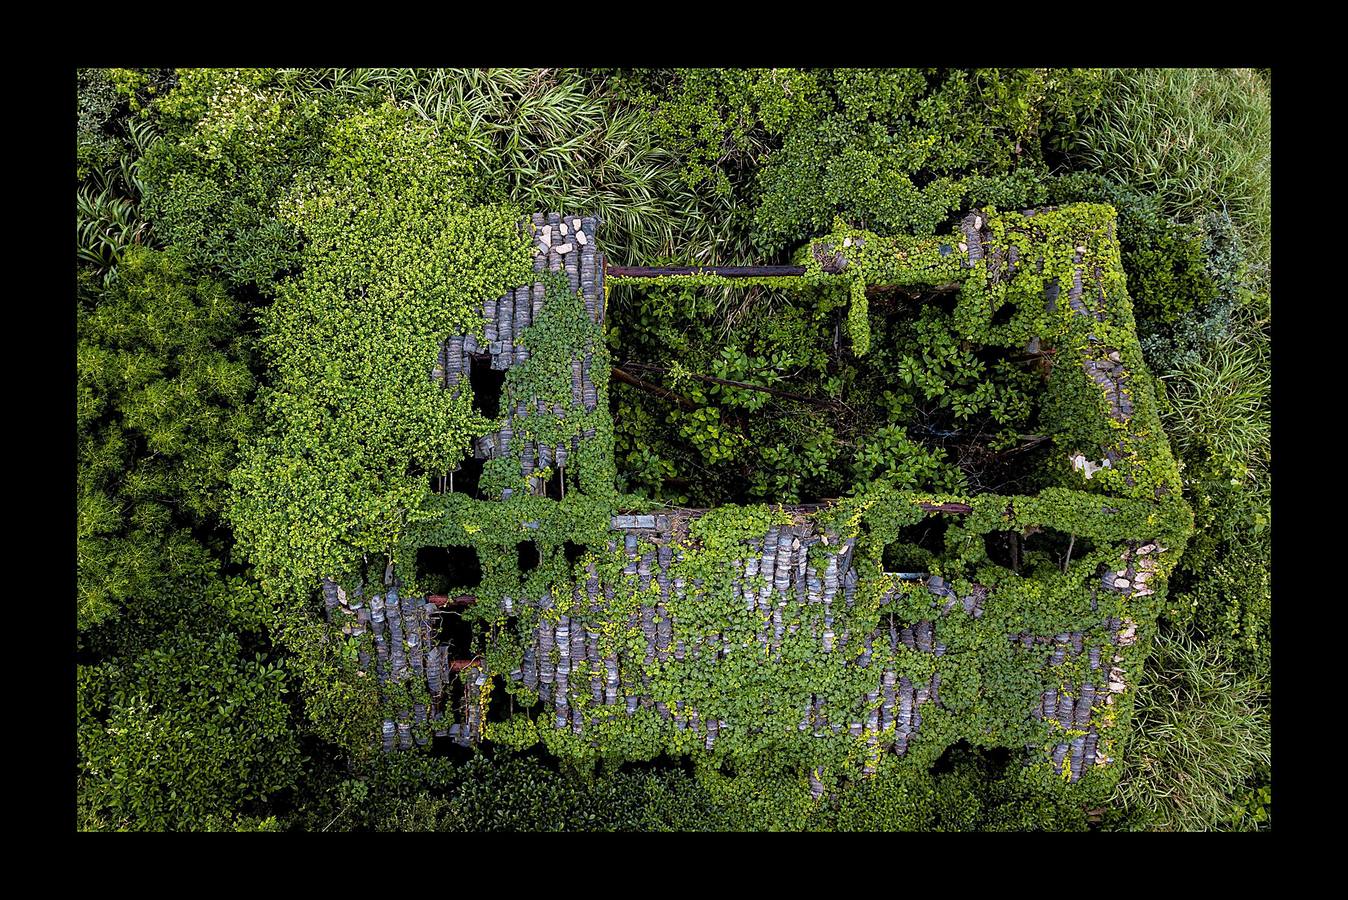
<point x="989" y="684"/>
<point x="398" y="255"/>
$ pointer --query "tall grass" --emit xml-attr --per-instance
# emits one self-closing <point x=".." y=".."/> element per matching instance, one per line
<point x="1200" y="732"/>
<point x="107" y="204"/>
<point x="550" y="142"/>
<point x="1219" y="404"/>
<point x="1200" y="138"/>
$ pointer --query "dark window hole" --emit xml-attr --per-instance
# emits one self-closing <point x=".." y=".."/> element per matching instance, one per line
<point x="990" y="762"/>
<point x="503" y="705"/>
<point x="1003" y="548"/>
<point x="573" y="552"/>
<point x="1003" y="315"/>
<point x="529" y="556"/>
<point x="1059" y="546"/>
<point x="555" y="489"/>
<point x="487" y="384"/>
<point x="464" y="479"/>
<point x="448" y="570"/>
<point x="917" y="545"/>
<point x="455" y="632"/>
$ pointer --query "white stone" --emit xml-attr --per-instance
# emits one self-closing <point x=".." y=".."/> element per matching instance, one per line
<point x="1114" y="355"/>
<point x="964" y="248"/>
<point x="978" y="222"/>
<point x="564" y="248"/>
<point x="1121" y="583"/>
<point x="847" y="242"/>
<point x="545" y="234"/>
<point x="563" y="227"/>
<point x="581" y="238"/>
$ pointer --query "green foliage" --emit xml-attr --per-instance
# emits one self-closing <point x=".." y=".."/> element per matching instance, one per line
<point x="937" y="369"/>
<point x="1230" y="601"/>
<point x="968" y="791"/>
<point x="895" y="150"/>
<point x="540" y="139"/>
<point x="179" y="726"/>
<point x="367" y="224"/>
<point x="163" y="396"/>
<point x="888" y="455"/>
<point x="719" y="122"/>
<point x="108" y="151"/>
<point x="97" y="99"/>
<point x="731" y="434"/>
<point x="1218" y="412"/>
<point x="504" y="792"/>
<point x="233" y="146"/>
<point x="1200" y="732"/>
<point x="189" y="735"/>
<point x="396" y="258"/>
<point x="1167" y="276"/>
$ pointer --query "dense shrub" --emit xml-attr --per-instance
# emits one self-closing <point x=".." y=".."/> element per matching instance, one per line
<point x="396" y="257"/>
<point x="163" y="397"/>
<point x="192" y="734"/>
<point x="233" y="146"/>
<point x="895" y="146"/>
<point x="182" y="717"/>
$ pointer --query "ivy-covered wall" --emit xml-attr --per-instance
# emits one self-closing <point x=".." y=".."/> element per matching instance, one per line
<point x="741" y="634"/>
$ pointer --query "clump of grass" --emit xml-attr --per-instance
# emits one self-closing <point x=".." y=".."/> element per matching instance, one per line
<point x="1200" y="732"/>
<point x="1200" y="138"/>
<point x="551" y="143"/>
<point x="1219" y="402"/>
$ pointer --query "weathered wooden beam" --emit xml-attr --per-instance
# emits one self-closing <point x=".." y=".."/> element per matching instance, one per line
<point x="947" y="507"/>
<point x="724" y="271"/>
<point x="655" y="389"/>
<point x="442" y="600"/>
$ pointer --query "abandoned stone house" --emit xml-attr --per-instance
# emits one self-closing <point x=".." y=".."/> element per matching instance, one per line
<point x="800" y="578"/>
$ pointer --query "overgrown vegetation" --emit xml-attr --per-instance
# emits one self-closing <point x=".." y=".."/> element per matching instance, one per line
<point x="267" y="258"/>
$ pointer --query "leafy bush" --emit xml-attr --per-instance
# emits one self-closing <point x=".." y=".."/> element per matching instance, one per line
<point x="213" y="187"/>
<point x="542" y="140"/>
<point x="163" y="397"/>
<point x="189" y="735"/>
<point x="395" y="259"/>
<point x="109" y="148"/>
<point x="893" y="150"/>
<point x="1219" y="408"/>
<point x="374" y="228"/>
